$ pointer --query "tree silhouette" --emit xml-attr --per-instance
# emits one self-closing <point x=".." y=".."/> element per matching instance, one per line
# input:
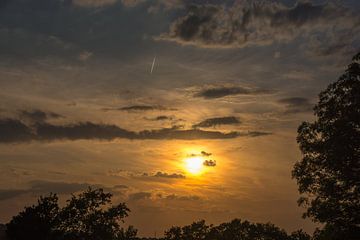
<point x="86" y="216"/>
<point x="35" y="222"/>
<point x="234" y="230"/>
<point x="328" y="175"/>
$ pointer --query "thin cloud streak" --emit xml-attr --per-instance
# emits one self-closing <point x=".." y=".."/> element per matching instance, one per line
<point x="14" y="131"/>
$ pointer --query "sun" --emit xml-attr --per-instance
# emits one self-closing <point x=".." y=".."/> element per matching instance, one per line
<point x="194" y="165"/>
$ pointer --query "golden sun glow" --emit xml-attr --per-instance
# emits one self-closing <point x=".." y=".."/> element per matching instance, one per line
<point x="194" y="165"/>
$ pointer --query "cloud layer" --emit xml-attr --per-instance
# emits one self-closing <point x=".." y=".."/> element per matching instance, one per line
<point x="260" y="23"/>
<point x="15" y="131"/>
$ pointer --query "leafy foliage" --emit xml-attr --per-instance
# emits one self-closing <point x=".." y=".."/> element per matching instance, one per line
<point x="234" y="230"/>
<point x="84" y="217"/>
<point x="35" y="221"/>
<point x="328" y="175"/>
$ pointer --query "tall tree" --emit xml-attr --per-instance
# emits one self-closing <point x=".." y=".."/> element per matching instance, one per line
<point x="328" y="174"/>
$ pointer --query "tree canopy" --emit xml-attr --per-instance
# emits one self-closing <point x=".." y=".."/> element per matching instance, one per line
<point x="328" y="174"/>
<point x="88" y="215"/>
<point x="234" y="230"/>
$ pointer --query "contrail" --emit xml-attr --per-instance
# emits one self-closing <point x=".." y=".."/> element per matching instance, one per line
<point x="152" y="66"/>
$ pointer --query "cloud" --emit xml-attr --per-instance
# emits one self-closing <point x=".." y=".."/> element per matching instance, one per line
<point x="135" y="108"/>
<point x="191" y="134"/>
<point x="120" y="187"/>
<point x="44" y="187"/>
<point x="58" y="187"/>
<point x="132" y="3"/>
<point x="82" y="130"/>
<point x="33" y="127"/>
<point x="206" y="154"/>
<point x="10" y="193"/>
<point x="139" y="196"/>
<point x="14" y="131"/>
<point x="259" y="23"/>
<point x="296" y="105"/>
<point x="209" y="163"/>
<point x="91" y="3"/>
<point x="219" y="92"/>
<point x="182" y="198"/>
<point x="213" y="122"/>
<point x="161" y="118"/>
<point x="167" y="175"/>
<point x="102" y="31"/>
<point x="202" y="153"/>
<point x="36" y="115"/>
<point x="255" y="134"/>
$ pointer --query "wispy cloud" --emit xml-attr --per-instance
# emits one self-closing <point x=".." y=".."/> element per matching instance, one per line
<point x="140" y="108"/>
<point x="14" y="131"/>
<point x="223" y="91"/>
<point x="45" y="187"/>
<point x="213" y="122"/>
<point x="296" y="104"/>
<point x="37" y="115"/>
<point x="169" y="175"/>
<point x="139" y="196"/>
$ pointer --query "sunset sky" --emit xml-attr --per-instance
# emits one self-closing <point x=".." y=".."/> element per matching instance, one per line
<point x="183" y="109"/>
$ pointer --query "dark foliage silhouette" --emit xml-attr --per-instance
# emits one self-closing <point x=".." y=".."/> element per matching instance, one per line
<point x="328" y="175"/>
<point x="234" y="230"/>
<point x="86" y="216"/>
<point x="35" y="222"/>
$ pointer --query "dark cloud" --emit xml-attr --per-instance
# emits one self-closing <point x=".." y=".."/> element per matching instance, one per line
<point x="120" y="186"/>
<point x="135" y="108"/>
<point x="219" y="92"/>
<point x="206" y="154"/>
<point x="10" y="193"/>
<point x="255" y="134"/>
<point x="202" y="153"/>
<point x="73" y="27"/>
<point x="161" y="118"/>
<point x="90" y="3"/>
<point x="259" y="23"/>
<point x="169" y="175"/>
<point x="213" y="122"/>
<point x="13" y="131"/>
<point x="209" y="163"/>
<point x="191" y="134"/>
<point x="139" y="196"/>
<point x="296" y="104"/>
<point x="182" y="198"/>
<point x="4" y="3"/>
<point x="37" y="115"/>
<point x="44" y="187"/>
<point x="82" y="130"/>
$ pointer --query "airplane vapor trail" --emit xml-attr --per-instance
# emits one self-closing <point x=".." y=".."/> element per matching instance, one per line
<point x="152" y="66"/>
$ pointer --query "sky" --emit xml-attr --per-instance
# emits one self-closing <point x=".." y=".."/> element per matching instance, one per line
<point x="183" y="109"/>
